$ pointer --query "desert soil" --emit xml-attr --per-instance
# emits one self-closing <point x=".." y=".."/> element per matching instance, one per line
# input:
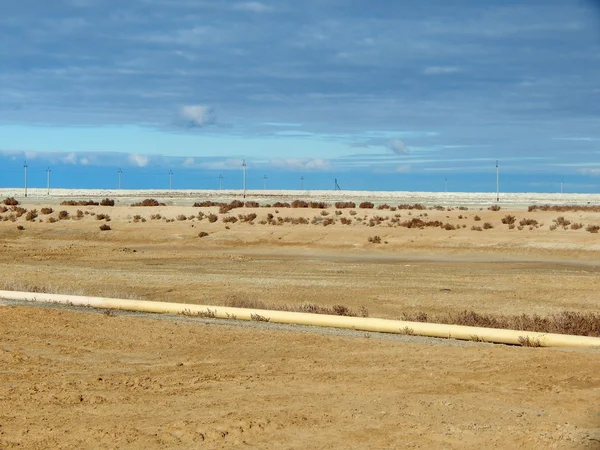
<point x="83" y="379"/>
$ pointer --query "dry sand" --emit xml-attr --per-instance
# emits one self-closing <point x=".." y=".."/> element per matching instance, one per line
<point x="83" y="379"/>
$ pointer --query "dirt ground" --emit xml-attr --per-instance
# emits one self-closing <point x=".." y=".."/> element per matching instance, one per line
<point x="83" y="379"/>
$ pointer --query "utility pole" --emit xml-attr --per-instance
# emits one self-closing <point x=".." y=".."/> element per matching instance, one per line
<point x="170" y="180"/>
<point x="119" y="172"/>
<point x="220" y="182"/>
<point x="265" y="182"/>
<point x="25" y="167"/>
<point x="48" y="172"/>
<point x="244" y="169"/>
<point x="302" y="183"/>
<point x="497" y="182"/>
<point x="446" y="182"/>
<point x="561" y="187"/>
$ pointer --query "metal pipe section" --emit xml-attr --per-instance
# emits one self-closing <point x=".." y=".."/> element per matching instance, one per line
<point x="495" y="335"/>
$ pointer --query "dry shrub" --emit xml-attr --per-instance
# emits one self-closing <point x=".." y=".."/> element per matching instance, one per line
<point x="508" y="219"/>
<point x="10" y="201"/>
<point x="528" y="222"/>
<point x="3" y="209"/>
<point x="324" y="213"/>
<point x="564" y="208"/>
<point x="202" y="234"/>
<point x="102" y="216"/>
<point x="384" y="206"/>
<point x="63" y="215"/>
<point x="495" y="208"/>
<point x="566" y="322"/>
<point x="206" y="204"/>
<point x="281" y="205"/>
<point x="416" y="206"/>
<point x="328" y="221"/>
<point x="155" y="217"/>
<point x="476" y="218"/>
<point x="311" y="308"/>
<point x="107" y="202"/>
<point x="343" y="205"/>
<point x="576" y="226"/>
<point x="417" y="222"/>
<point x="247" y="218"/>
<point x="148" y="202"/>
<point x="251" y="204"/>
<point x="51" y="219"/>
<point x="448" y="226"/>
<point x="79" y="203"/>
<point x="487" y="226"/>
<point x="31" y="215"/>
<point x="592" y="228"/>
<point x="229" y="219"/>
<point x="299" y="204"/>
<point x="366" y="205"/>
<point x="375" y="240"/>
<point x="338" y="213"/>
<point x="346" y="221"/>
<point x="104" y="227"/>
<point x="46" y="211"/>
<point x="19" y="211"/>
<point x="20" y="227"/>
<point x="181" y="217"/>
<point x="79" y="214"/>
<point x="476" y="228"/>
<point x="318" y="205"/>
<point x="212" y="218"/>
<point x="352" y="213"/>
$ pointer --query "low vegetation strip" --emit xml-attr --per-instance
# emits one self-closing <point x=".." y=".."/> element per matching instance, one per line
<point x="565" y="322"/>
<point x="564" y="208"/>
<point x="335" y="310"/>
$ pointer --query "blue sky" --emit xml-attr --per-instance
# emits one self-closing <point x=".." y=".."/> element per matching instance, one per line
<point x="382" y="95"/>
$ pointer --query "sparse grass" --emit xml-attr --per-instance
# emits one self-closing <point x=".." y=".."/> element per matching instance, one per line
<point x="375" y="239"/>
<point x="566" y="322"/>
<point x="476" y="228"/>
<point x="528" y="223"/>
<point x="564" y="208"/>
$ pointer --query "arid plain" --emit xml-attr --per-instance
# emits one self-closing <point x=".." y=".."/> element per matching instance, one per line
<point x="84" y="379"/>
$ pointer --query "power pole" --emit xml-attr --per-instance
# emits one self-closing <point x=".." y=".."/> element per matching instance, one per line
<point x="170" y="180"/>
<point x="48" y="171"/>
<point x="244" y="169"/>
<point x="497" y="182"/>
<point x="25" y="167"/>
<point x="561" y="187"/>
<point x="265" y="183"/>
<point x="302" y="183"/>
<point x="220" y="182"/>
<point x="446" y="182"/>
<point x="119" y="172"/>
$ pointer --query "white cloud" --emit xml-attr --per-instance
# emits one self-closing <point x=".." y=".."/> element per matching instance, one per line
<point x="70" y="158"/>
<point x="592" y="171"/>
<point x="300" y="163"/>
<point x="31" y="155"/>
<point x="198" y="115"/>
<point x="397" y="146"/>
<point x="403" y="168"/>
<point x="257" y="7"/>
<point x="440" y="70"/>
<point x="189" y="162"/>
<point x="138" y="160"/>
<point x="227" y="164"/>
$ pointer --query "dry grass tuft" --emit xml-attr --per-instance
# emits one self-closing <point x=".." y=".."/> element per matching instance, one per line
<point x="566" y="322"/>
<point x="10" y="201"/>
<point x="335" y="310"/>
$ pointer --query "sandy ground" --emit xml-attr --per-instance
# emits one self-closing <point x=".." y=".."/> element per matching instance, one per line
<point x="83" y="379"/>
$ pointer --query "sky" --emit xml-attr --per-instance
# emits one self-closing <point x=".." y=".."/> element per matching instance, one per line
<point x="380" y="95"/>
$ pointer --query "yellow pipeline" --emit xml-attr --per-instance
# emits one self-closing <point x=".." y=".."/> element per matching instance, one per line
<point x="354" y="323"/>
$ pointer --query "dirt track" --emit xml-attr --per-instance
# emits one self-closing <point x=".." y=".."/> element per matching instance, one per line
<point x="75" y="379"/>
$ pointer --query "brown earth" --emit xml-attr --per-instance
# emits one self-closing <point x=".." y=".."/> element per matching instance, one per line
<point x="79" y="379"/>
